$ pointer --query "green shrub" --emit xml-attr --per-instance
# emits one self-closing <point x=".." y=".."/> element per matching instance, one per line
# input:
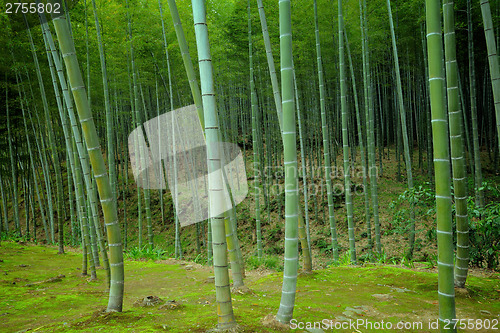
<point x="136" y="253"/>
<point x="422" y="197"/>
<point x="484" y="234"/>
<point x="201" y="259"/>
<point x="269" y="262"/>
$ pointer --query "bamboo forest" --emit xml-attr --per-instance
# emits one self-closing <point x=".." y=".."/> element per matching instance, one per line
<point x="250" y="166"/>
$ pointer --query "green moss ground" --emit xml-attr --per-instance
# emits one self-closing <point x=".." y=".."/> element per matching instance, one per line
<point x="28" y="302"/>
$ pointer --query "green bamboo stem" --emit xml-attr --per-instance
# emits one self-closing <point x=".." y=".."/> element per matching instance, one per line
<point x="270" y="62"/>
<point x="345" y="137"/>
<point x="33" y="170"/>
<point x="41" y="148"/>
<point x="370" y="125"/>
<point x="178" y="250"/>
<point x="285" y="311"/>
<point x="39" y="196"/>
<point x="109" y="117"/>
<point x="62" y="116"/>
<point x="326" y="142"/>
<point x="361" y="148"/>
<point x="13" y="169"/>
<point x="71" y="198"/>
<point x="225" y="314"/>
<point x="446" y="290"/>
<point x="83" y="218"/>
<point x="4" y="208"/>
<point x="136" y="121"/>
<point x="92" y="141"/>
<point x="147" y="191"/>
<point x="44" y="173"/>
<point x="478" y="173"/>
<point x="96" y="227"/>
<point x="304" y="237"/>
<point x="304" y="167"/>
<point x="404" y="132"/>
<point x="160" y="136"/>
<point x="457" y="153"/>
<point x="31" y="203"/>
<point x="427" y="108"/>
<point x="188" y="64"/>
<point x="195" y="90"/>
<point x="171" y="98"/>
<point x="255" y="139"/>
<point x="233" y="247"/>
<point x="53" y="147"/>
<point x="94" y="231"/>
<point x="304" y="231"/>
<point x="489" y="34"/>
<point x="236" y="269"/>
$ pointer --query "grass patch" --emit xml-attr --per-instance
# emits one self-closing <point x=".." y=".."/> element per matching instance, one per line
<point x="75" y="304"/>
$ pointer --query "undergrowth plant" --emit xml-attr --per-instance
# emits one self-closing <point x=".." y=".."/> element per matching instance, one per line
<point x="269" y="262"/>
<point x="344" y="259"/>
<point x="407" y="262"/>
<point x="422" y="198"/>
<point x="484" y="234"/>
<point x="145" y="252"/>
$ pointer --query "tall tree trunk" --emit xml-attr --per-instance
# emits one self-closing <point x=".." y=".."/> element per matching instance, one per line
<point x="304" y="230"/>
<point x="13" y="169"/>
<point x="369" y="115"/>
<point x="285" y="311"/>
<point x="53" y="146"/>
<point x="303" y="234"/>
<point x="256" y="142"/>
<point x="195" y="91"/>
<point x="457" y="153"/>
<point x="92" y="214"/>
<point x="489" y="34"/>
<point x="440" y="140"/>
<point x="326" y="142"/>
<point x="109" y="117"/>
<point x="404" y="132"/>
<point x="345" y="132"/>
<point x="225" y="314"/>
<point x="478" y="173"/>
<point x="104" y="187"/>
<point x="361" y="150"/>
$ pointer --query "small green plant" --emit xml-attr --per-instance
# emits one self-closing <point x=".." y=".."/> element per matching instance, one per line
<point x="323" y="244"/>
<point x="422" y="198"/>
<point x="13" y="235"/>
<point x="491" y="189"/>
<point x="366" y="257"/>
<point x="431" y="234"/>
<point x="431" y="261"/>
<point x="137" y="253"/>
<point x="269" y="262"/>
<point x="484" y="234"/>
<point x="381" y="257"/>
<point x="418" y="244"/>
<point x="201" y="259"/>
<point x="345" y="259"/>
<point x="407" y="262"/>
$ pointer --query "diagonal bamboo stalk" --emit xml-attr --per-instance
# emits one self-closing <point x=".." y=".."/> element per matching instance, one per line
<point x="92" y="141"/>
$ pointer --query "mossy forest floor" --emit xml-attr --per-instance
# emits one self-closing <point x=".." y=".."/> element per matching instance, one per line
<point x="35" y="297"/>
